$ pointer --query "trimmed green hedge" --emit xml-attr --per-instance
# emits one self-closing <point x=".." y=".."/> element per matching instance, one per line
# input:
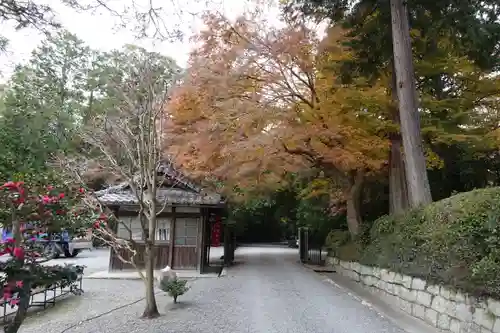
<point x="455" y="242"/>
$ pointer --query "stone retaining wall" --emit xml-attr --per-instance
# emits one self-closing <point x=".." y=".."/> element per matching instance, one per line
<point x="437" y="305"/>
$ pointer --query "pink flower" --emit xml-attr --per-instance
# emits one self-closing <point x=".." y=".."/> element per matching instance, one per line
<point x="9" y="240"/>
<point x="19" y="284"/>
<point x="46" y="199"/>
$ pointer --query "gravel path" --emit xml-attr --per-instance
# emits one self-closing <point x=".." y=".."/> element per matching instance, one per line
<point x="267" y="293"/>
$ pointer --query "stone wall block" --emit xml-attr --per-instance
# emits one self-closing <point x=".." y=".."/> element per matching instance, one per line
<point x="385" y="275"/>
<point x="496" y="326"/>
<point x="418" y="311"/>
<point x="443" y="321"/>
<point x="424" y="298"/>
<point x="408" y="294"/>
<point x="433" y="289"/>
<point x="431" y="316"/>
<point x="404" y="305"/>
<point x="463" y="312"/>
<point x="398" y="278"/>
<point x="442" y="305"/>
<point x="406" y="281"/>
<point x="389" y="287"/>
<point x="445" y="292"/>
<point x="483" y="318"/>
<point x="455" y="326"/>
<point x="366" y="270"/>
<point x="331" y="261"/>
<point x="418" y="284"/>
<point x="493" y="306"/>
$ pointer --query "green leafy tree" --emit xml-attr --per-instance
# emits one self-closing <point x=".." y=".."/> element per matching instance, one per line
<point x="446" y="36"/>
<point x="42" y="105"/>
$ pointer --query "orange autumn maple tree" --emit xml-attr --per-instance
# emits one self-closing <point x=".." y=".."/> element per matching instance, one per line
<point x="261" y="100"/>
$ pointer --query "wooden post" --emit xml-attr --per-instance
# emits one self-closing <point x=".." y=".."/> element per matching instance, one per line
<point x="201" y="241"/>
<point x="172" y="239"/>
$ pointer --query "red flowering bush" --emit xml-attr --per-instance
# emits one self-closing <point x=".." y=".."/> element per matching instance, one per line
<point x="27" y="212"/>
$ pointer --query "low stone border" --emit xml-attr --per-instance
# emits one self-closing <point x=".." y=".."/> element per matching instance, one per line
<point x="437" y="305"/>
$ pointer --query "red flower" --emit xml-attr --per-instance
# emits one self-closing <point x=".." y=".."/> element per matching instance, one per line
<point x="18" y="253"/>
<point x="9" y="240"/>
<point x="9" y="185"/>
<point x="99" y="224"/>
<point x="103" y="217"/>
<point x="61" y="195"/>
<point x="81" y="190"/>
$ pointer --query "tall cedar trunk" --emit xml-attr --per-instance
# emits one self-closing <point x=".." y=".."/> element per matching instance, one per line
<point x="353" y="202"/>
<point x="151" y="310"/>
<point x="398" y="191"/>
<point x="416" y="173"/>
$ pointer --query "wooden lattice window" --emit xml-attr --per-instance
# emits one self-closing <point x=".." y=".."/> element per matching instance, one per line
<point x="162" y="233"/>
<point x="186" y="231"/>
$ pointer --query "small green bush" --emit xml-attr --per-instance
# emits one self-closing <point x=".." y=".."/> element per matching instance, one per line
<point x="455" y="242"/>
<point x="336" y="239"/>
<point x="174" y="287"/>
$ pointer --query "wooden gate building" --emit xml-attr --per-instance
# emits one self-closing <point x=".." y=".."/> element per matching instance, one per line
<point x="183" y="226"/>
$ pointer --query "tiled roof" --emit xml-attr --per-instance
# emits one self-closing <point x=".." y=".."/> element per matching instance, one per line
<point x="122" y="195"/>
<point x="185" y="192"/>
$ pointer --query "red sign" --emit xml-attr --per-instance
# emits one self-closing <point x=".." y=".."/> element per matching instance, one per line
<point x="216" y="232"/>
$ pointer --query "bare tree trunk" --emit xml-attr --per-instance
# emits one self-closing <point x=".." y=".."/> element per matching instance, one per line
<point x="416" y="172"/>
<point x="398" y="191"/>
<point x="151" y="310"/>
<point x="353" y="202"/>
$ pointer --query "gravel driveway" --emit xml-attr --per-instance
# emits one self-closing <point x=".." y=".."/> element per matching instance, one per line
<point x="268" y="292"/>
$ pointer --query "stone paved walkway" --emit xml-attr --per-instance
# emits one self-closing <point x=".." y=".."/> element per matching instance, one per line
<point x="268" y="292"/>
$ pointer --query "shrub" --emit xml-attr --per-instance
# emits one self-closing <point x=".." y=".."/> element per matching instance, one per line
<point x="174" y="287"/>
<point x="336" y="239"/>
<point x="455" y="242"/>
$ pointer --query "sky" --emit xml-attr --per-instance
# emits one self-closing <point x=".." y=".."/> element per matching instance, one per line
<point x="100" y="29"/>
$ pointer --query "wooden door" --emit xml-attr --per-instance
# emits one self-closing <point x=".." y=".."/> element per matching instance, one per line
<point x="186" y="242"/>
